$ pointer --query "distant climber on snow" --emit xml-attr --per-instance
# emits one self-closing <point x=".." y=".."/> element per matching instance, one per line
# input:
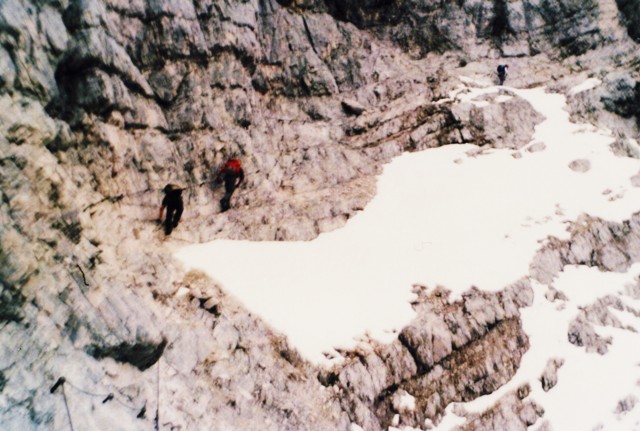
<point x="173" y="203"/>
<point x="502" y="72"/>
<point x="232" y="175"/>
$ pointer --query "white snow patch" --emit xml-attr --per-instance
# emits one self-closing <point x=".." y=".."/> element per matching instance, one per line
<point x="450" y="419"/>
<point x="404" y="403"/>
<point x="408" y="402"/>
<point x="589" y="84"/>
<point x="434" y="222"/>
<point x="182" y="292"/>
<point x="468" y="80"/>
<point x="503" y="98"/>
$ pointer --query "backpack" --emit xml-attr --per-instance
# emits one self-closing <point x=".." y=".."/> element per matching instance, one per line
<point x="232" y="165"/>
<point x="502" y="69"/>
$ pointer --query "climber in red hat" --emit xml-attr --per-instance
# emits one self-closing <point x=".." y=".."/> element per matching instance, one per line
<point x="232" y="175"/>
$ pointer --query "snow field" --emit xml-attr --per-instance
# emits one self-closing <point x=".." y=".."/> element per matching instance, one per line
<point x="433" y="221"/>
<point x="448" y="217"/>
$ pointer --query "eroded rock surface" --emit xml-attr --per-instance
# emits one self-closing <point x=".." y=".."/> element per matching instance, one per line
<point x="102" y="102"/>
<point x="594" y="243"/>
<point x="514" y="411"/>
<point x="451" y="352"/>
<point x="549" y="377"/>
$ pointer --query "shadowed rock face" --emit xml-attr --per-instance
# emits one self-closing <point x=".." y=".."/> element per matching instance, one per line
<point x="139" y="355"/>
<point x="630" y="11"/>
<point x="103" y="102"/>
<point x="516" y="28"/>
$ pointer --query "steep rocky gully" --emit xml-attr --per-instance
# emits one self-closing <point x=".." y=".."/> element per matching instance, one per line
<point x="102" y="102"/>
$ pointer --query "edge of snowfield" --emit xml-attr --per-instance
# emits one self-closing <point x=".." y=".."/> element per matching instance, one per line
<point x="489" y="212"/>
<point x="591" y="391"/>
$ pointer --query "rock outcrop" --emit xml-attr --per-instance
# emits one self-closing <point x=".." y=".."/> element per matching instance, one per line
<point x="593" y="243"/>
<point x="451" y="352"/>
<point x="549" y="377"/>
<point x="514" y="411"/>
<point x="103" y="102"/>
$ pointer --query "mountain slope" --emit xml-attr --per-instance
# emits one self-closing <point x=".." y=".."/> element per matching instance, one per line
<point x="104" y="102"/>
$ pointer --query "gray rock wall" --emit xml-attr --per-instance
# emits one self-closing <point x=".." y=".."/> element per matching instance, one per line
<point x="104" y="102"/>
<point x="630" y="11"/>
<point x="514" y="28"/>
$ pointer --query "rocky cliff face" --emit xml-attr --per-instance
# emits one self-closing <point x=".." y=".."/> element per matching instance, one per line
<point x="105" y="101"/>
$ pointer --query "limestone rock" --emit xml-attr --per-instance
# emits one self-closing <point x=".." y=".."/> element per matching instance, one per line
<point x="623" y="94"/>
<point x="103" y="102"/>
<point x="536" y="147"/>
<point x="549" y="377"/>
<point x="447" y="344"/>
<point x="594" y="242"/>
<point x="7" y="69"/>
<point x="582" y="331"/>
<point x="23" y="121"/>
<point x="506" y="124"/>
<point x="519" y="28"/>
<point x="582" y="165"/>
<point x="626" y="405"/>
<point x="513" y="411"/>
<point x="553" y="295"/>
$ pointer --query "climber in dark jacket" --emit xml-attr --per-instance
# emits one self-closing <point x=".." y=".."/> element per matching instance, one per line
<point x="232" y="175"/>
<point x="502" y="72"/>
<point x="173" y="203"/>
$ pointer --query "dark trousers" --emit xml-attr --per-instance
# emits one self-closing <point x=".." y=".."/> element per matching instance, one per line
<point x="502" y="77"/>
<point x="229" y="188"/>
<point x="173" y="217"/>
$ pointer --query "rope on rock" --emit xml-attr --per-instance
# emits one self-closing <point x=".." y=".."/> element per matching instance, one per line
<point x="66" y="405"/>
<point x="118" y="198"/>
<point x="62" y="381"/>
<point x="105" y="397"/>
<point x="156" y="421"/>
<point x="112" y="199"/>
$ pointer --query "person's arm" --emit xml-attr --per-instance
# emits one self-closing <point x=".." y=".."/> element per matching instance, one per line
<point x="240" y="177"/>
